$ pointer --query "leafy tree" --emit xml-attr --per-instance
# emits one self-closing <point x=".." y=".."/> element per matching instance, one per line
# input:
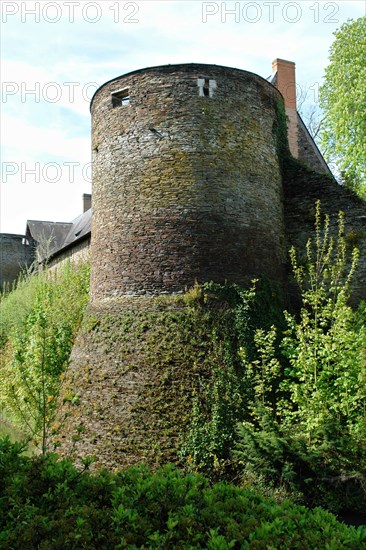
<point x="343" y="100"/>
<point x="35" y="346"/>
<point x="308" y="426"/>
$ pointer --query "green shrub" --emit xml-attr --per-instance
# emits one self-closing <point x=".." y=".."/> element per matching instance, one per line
<point x="223" y="397"/>
<point x="307" y="427"/>
<point x="36" y="344"/>
<point x="48" y="504"/>
<point x="17" y="303"/>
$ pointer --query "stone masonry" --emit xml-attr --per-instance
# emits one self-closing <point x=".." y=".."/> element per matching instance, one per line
<point x="16" y="255"/>
<point x="200" y="173"/>
<point x="186" y="182"/>
<point x="193" y="181"/>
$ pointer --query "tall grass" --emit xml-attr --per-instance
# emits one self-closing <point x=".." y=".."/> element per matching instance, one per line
<point x="39" y="320"/>
<point x="16" y="302"/>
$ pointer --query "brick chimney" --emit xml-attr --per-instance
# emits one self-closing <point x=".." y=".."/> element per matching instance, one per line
<point x="87" y="198"/>
<point x="285" y="82"/>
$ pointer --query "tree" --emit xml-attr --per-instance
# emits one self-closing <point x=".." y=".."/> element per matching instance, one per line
<point x="307" y="428"/>
<point x="35" y="346"/>
<point x="309" y="110"/>
<point x="343" y="100"/>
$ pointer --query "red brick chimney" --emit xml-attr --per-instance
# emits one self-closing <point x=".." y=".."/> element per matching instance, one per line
<point x="285" y="82"/>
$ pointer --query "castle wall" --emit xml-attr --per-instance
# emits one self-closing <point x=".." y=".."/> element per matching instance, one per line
<point x="15" y="255"/>
<point x="186" y="181"/>
<point x="187" y="186"/>
<point x="138" y="362"/>
<point x="79" y="252"/>
<point x="302" y="188"/>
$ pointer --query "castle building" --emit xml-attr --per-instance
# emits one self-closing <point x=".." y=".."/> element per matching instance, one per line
<point x="189" y="145"/>
<point x="200" y="173"/>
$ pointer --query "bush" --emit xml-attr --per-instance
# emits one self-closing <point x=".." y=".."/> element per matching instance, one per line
<point x="223" y="397"/>
<point x="16" y="303"/>
<point x="36" y="342"/>
<point x="48" y="504"/>
<point x="307" y="428"/>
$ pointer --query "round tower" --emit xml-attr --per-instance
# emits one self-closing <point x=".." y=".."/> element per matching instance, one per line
<point x="186" y="187"/>
<point x="186" y="180"/>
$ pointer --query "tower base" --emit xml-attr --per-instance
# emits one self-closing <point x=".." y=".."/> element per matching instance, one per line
<point x="137" y="368"/>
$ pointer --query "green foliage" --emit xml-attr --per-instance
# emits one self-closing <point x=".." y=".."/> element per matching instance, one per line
<point x="280" y="129"/>
<point x="343" y="102"/>
<point x="47" y="503"/>
<point x="360" y="315"/>
<point x="222" y="398"/>
<point x="217" y="405"/>
<point x="16" y="303"/>
<point x="189" y="347"/>
<point x="37" y="344"/>
<point x="8" y="428"/>
<point x="308" y="425"/>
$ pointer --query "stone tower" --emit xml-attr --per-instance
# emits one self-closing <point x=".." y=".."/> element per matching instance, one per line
<point x="187" y="186"/>
<point x="187" y="181"/>
<point x="192" y="181"/>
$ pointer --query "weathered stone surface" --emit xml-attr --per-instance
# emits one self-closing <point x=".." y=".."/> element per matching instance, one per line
<point x="75" y="254"/>
<point x="185" y="187"/>
<point x="308" y="152"/>
<point x="15" y="256"/>
<point x="137" y="364"/>
<point x="188" y="185"/>
<point x="302" y="188"/>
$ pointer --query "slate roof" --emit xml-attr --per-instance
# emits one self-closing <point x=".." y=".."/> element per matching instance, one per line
<point x="272" y="79"/>
<point x="80" y="227"/>
<point x="54" y="237"/>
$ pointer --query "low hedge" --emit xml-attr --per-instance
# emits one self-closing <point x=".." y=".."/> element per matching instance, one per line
<point x="46" y="503"/>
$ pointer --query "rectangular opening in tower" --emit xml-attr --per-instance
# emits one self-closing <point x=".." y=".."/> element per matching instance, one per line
<point x="206" y="86"/>
<point x="120" y="97"/>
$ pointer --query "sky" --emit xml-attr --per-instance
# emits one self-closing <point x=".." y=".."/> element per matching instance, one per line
<point x="54" y="55"/>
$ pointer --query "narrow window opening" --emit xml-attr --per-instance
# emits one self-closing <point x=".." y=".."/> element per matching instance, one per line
<point x="206" y="87"/>
<point x="120" y="98"/>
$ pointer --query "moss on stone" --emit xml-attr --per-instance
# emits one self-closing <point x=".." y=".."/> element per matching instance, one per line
<point x="280" y="129"/>
<point x="138" y="367"/>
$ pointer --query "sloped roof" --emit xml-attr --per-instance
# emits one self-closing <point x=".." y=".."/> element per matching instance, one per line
<point x="53" y="237"/>
<point x="272" y="79"/>
<point x="48" y="235"/>
<point x="80" y="227"/>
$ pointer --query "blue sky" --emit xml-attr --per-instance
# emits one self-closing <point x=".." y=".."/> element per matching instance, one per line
<point x="55" y="54"/>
